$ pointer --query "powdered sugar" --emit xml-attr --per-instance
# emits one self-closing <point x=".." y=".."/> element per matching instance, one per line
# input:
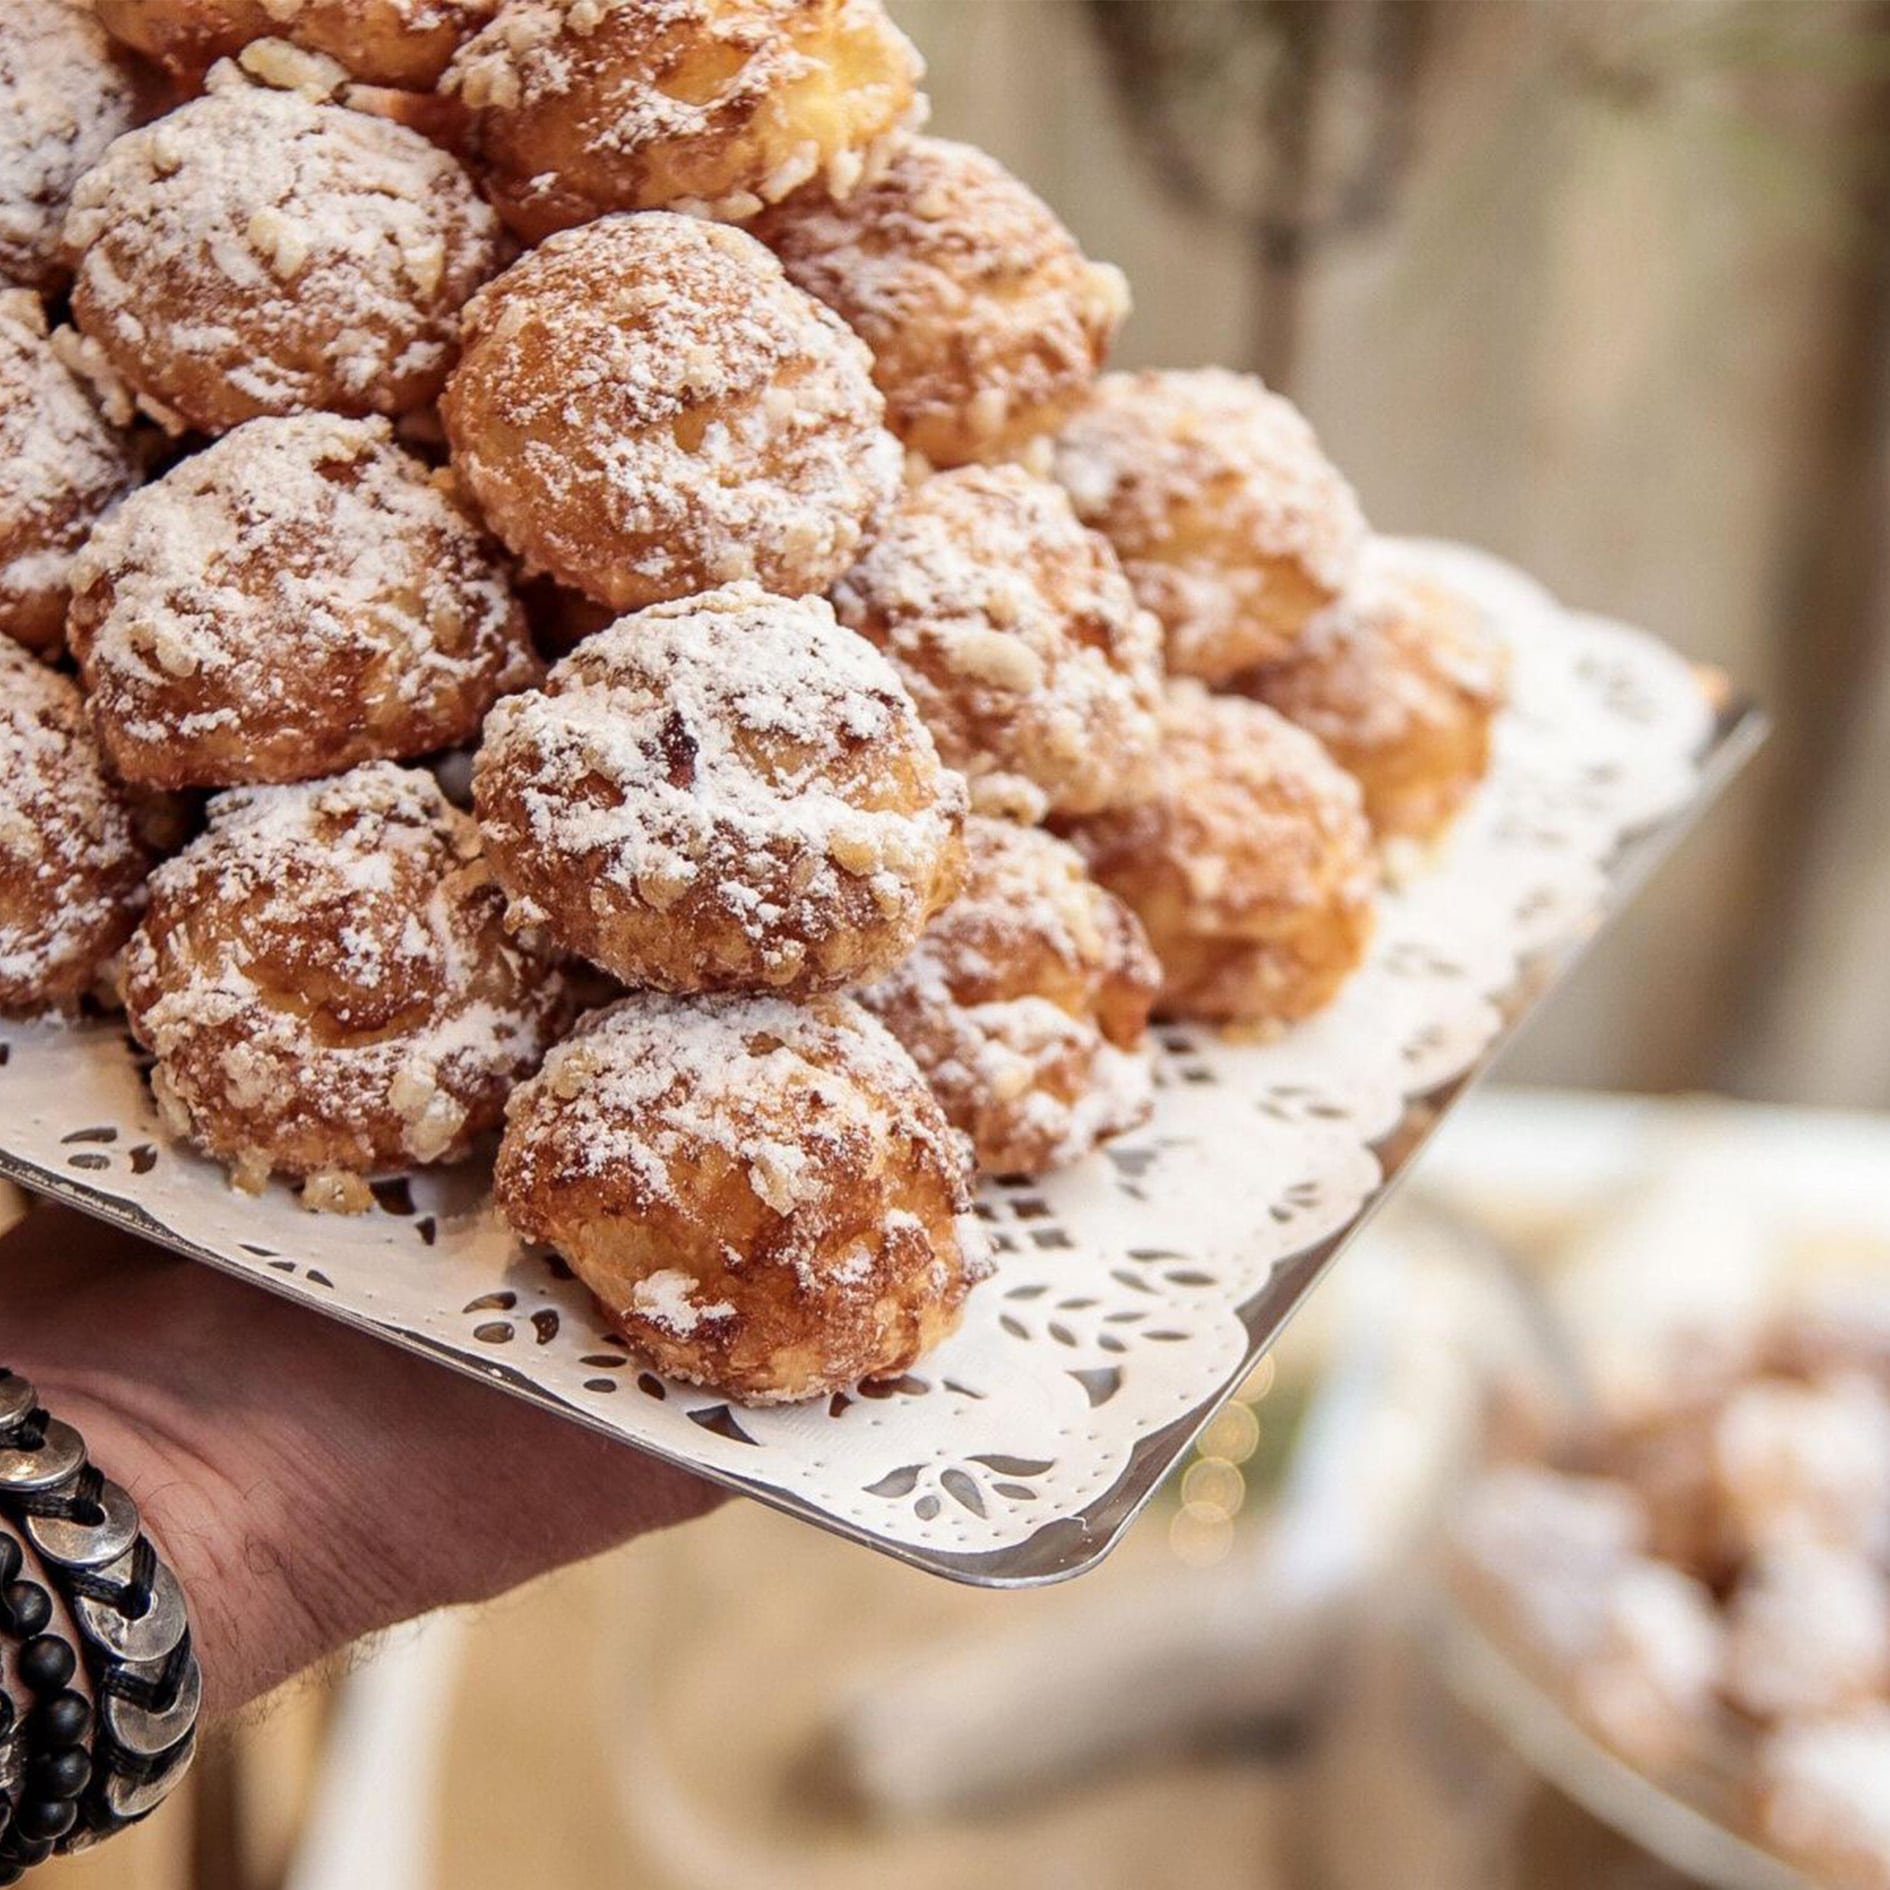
<point x="324" y="981"/>
<point x="71" y="865"/>
<point x="736" y="755"/>
<point x="61" y="465"/>
<point x="304" y="592"/>
<point x="668" y="1299"/>
<point x="1027" y="653"/>
<point x="647" y="408"/>
<point x="256" y="252"/>
<point x="65" y="93"/>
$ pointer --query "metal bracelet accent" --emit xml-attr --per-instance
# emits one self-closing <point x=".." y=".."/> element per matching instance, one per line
<point x="134" y="1627"/>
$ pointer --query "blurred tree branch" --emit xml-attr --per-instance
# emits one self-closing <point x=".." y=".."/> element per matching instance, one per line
<point x="1283" y="121"/>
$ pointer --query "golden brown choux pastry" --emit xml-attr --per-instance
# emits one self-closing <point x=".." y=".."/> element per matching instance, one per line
<point x="764" y="1197"/>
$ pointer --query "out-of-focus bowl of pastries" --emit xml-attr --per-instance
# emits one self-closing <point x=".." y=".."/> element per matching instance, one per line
<point x="1666" y="1573"/>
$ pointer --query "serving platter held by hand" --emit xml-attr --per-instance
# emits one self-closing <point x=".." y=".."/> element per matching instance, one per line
<point x="1135" y="1290"/>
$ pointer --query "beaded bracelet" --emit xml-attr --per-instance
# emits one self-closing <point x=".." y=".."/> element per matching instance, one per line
<point x="48" y="1765"/>
<point x="134" y="1638"/>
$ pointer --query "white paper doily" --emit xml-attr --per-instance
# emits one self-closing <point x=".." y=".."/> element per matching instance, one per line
<point x="1132" y="1292"/>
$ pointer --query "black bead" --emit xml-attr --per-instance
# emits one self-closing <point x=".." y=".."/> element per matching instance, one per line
<point x="42" y="1819"/>
<point x="47" y="1663"/>
<point x="12" y="1559"/>
<point x="28" y="1851"/>
<point x="27" y="1606"/>
<point x="10" y="1874"/>
<point x="63" y="1774"/>
<point x="63" y="1720"/>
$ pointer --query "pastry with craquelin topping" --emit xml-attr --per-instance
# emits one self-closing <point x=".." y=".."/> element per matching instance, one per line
<point x="986" y="321"/>
<point x="327" y="986"/>
<point x="385" y="42"/>
<point x="72" y="855"/>
<point x="1033" y="665"/>
<point x="63" y="464"/>
<point x="763" y="1196"/>
<point x="65" y="93"/>
<point x="712" y="107"/>
<point x="1251" y="866"/>
<point x="1401" y="680"/>
<point x="1026" y="1004"/>
<point x="647" y="408"/>
<point x="301" y="596"/>
<point x="727" y="793"/>
<point x="1234" y="527"/>
<point x="257" y="252"/>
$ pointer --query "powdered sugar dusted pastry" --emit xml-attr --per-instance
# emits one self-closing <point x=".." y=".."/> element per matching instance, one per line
<point x="1820" y="1797"/>
<point x="62" y="463"/>
<point x="730" y="792"/>
<point x="1634" y="1644"/>
<point x="326" y="982"/>
<point x="65" y="93"/>
<point x="1026" y="1004"/>
<point x="711" y="106"/>
<point x="259" y="252"/>
<point x="386" y="42"/>
<point x="1033" y="665"/>
<point x="1233" y="526"/>
<point x="1808" y="1632"/>
<point x="301" y="596"/>
<point x="1251" y="865"/>
<point x="764" y="1196"/>
<point x="72" y="866"/>
<point x="986" y="322"/>
<point x="1401" y="681"/>
<point x="1805" y="1462"/>
<point x="646" y="408"/>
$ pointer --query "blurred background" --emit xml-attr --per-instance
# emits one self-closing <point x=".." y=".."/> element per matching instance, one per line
<point x="1599" y="285"/>
<point x="1602" y="286"/>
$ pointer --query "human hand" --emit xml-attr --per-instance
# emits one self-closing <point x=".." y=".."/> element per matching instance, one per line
<point x="308" y="1484"/>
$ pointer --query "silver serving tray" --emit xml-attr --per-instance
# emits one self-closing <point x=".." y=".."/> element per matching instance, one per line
<point x="1135" y="1292"/>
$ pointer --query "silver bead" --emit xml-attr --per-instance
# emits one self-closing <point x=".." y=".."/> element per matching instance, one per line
<point x="145" y="1731"/>
<point x="27" y="1472"/>
<point x="153" y="1634"/>
<point x="17" y="1398"/>
<point x="129" y="1798"/>
<point x="12" y="1761"/>
<point x="88" y="1545"/>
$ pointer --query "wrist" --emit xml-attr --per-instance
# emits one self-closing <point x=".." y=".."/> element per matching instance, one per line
<point x="220" y="1523"/>
<point x="308" y="1484"/>
<point x="105" y="1688"/>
